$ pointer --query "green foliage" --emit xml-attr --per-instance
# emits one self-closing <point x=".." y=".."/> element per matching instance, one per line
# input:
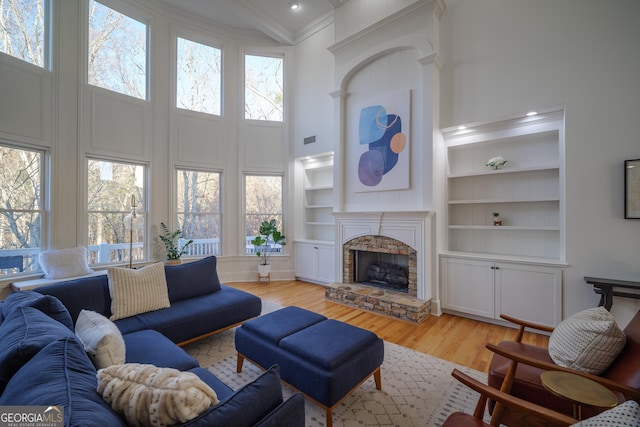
<point x="269" y="233"/>
<point x="170" y="240"/>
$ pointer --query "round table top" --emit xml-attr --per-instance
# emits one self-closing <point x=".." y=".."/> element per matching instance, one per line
<point x="577" y="389"/>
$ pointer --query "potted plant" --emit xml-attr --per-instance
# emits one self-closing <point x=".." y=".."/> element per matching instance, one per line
<point x="171" y="244"/>
<point x="265" y="242"/>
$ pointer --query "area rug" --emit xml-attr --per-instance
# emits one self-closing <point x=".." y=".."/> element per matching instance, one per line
<point x="417" y="389"/>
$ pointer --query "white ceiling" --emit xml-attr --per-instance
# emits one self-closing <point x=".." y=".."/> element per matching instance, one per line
<point x="274" y="18"/>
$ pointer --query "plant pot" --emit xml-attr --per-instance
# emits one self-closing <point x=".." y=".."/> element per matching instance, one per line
<point x="173" y="261"/>
<point x="264" y="271"/>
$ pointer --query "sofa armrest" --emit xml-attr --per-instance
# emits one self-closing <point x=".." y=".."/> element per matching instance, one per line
<point x="290" y="413"/>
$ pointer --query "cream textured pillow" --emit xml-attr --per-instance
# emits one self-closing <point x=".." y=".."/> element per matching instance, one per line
<point x="150" y="396"/>
<point x="137" y="291"/>
<point x="102" y="339"/>
<point x="626" y="414"/>
<point x="63" y="263"/>
<point x="588" y="341"/>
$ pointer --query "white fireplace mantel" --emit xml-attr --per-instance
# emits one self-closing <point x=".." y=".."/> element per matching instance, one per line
<point x="413" y="228"/>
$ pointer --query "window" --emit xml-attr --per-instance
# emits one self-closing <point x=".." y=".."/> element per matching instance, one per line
<point x="263" y="202"/>
<point x="112" y="189"/>
<point x="199" y="216"/>
<point x="263" y="88"/>
<point x="117" y="58"/>
<point x="21" y="209"/>
<point x="198" y="79"/>
<point x="24" y="30"/>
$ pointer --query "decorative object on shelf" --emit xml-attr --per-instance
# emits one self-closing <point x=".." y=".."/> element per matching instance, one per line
<point x="268" y="241"/>
<point x="133" y="221"/>
<point x="496" y="163"/>
<point x="496" y="218"/>
<point x="632" y="189"/>
<point x="172" y="244"/>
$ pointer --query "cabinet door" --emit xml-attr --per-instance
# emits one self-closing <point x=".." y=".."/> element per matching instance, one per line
<point x="326" y="264"/>
<point x="306" y="261"/>
<point x="528" y="292"/>
<point x="468" y="286"/>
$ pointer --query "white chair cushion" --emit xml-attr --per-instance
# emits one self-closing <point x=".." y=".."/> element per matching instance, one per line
<point x="588" y="341"/>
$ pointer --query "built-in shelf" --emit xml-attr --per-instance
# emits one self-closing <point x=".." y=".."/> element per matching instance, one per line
<point x="488" y="201"/>
<point x="503" y="228"/>
<point x="505" y="171"/>
<point x="318" y="222"/>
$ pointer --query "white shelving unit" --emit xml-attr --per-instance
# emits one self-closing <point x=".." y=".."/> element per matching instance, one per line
<point x="514" y="268"/>
<point x="318" y="198"/>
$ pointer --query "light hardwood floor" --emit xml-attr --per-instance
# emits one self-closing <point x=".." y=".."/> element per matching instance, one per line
<point x="448" y="337"/>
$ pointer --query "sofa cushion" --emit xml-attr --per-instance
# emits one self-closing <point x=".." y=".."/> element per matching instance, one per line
<point x="61" y="374"/>
<point x="148" y="395"/>
<point x="165" y="353"/>
<point x="47" y="304"/>
<point x="137" y="291"/>
<point x="101" y="338"/>
<point x="192" y="279"/>
<point x="63" y="263"/>
<point x="626" y="414"/>
<point x="588" y="341"/>
<point x="246" y="406"/>
<point x="282" y="323"/>
<point x="23" y="334"/>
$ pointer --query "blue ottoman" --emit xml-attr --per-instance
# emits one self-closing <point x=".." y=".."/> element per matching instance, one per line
<point x="323" y="358"/>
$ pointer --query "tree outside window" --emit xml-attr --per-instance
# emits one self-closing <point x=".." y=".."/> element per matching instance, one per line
<point x="263" y="202"/>
<point x="263" y="88"/>
<point x="110" y="188"/>
<point x="198" y="79"/>
<point x="117" y="58"/>
<point x="198" y="211"/>
<point x="21" y="209"/>
<point x="23" y="29"/>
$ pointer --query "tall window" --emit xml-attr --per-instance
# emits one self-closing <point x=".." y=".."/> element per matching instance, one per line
<point x="117" y="57"/>
<point x="199" y="215"/>
<point x="198" y="79"/>
<point x="263" y="88"/>
<point x="23" y="29"/>
<point x="263" y="202"/>
<point x="112" y="189"/>
<point x="21" y="209"/>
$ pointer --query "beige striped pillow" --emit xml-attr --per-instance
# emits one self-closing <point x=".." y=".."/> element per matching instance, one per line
<point x="137" y="291"/>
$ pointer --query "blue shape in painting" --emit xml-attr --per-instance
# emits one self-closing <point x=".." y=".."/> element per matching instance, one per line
<point x="377" y="128"/>
<point x="373" y="123"/>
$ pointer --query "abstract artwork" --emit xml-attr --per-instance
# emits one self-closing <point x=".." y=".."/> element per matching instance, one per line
<point x="383" y="138"/>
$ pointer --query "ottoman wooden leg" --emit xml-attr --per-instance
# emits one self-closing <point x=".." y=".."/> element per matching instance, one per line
<point x="329" y="417"/>
<point x="378" y="378"/>
<point x="239" y="363"/>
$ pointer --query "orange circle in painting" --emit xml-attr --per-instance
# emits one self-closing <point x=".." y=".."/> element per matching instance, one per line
<point x="398" y="142"/>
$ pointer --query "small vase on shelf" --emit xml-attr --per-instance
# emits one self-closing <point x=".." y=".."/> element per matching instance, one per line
<point x="496" y="163"/>
<point x="497" y="221"/>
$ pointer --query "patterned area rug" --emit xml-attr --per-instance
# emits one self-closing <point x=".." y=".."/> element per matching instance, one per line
<point x="417" y="389"/>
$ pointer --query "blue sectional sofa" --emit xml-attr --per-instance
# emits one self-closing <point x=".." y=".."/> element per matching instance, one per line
<point x="43" y="362"/>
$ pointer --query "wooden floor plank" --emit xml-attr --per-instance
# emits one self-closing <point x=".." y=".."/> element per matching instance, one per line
<point x="457" y="339"/>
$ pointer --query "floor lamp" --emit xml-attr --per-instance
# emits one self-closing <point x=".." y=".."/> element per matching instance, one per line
<point x="133" y="221"/>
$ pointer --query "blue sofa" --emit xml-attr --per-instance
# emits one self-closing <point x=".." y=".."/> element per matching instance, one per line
<point x="43" y="363"/>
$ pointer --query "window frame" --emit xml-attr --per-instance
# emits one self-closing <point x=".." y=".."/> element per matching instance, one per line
<point x="277" y="55"/>
<point x="47" y="34"/>
<point x="247" y="250"/>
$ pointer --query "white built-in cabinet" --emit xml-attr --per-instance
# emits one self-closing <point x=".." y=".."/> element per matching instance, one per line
<point x="514" y="268"/>
<point x="315" y="251"/>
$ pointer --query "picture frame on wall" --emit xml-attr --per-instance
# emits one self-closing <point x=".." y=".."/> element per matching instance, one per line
<point x="632" y="189"/>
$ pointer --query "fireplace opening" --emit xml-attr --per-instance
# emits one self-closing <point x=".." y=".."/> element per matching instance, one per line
<point x="383" y="270"/>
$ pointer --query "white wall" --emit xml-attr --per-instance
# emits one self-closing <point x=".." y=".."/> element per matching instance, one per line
<point x="502" y="57"/>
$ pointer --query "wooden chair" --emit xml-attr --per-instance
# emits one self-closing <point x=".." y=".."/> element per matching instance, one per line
<point x="531" y="414"/>
<point x="516" y="367"/>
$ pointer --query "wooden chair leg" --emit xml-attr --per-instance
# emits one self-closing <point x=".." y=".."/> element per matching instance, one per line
<point x="239" y="363"/>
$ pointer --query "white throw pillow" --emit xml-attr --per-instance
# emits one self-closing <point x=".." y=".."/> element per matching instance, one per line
<point x="150" y="396"/>
<point x="626" y="414"/>
<point x="63" y="263"/>
<point x="588" y="341"/>
<point x="137" y="291"/>
<point x="102" y="339"/>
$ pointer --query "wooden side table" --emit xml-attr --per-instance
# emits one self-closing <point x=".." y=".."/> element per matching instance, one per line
<point x="578" y="390"/>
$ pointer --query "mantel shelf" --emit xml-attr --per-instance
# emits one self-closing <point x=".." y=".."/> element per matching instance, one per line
<point x="503" y="171"/>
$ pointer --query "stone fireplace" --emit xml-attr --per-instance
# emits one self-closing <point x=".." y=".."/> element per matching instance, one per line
<point x="386" y="245"/>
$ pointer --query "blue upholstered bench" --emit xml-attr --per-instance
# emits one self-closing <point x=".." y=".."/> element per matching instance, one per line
<point x="323" y="358"/>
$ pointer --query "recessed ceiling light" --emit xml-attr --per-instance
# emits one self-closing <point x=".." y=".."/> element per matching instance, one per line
<point x="462" y="127"/>
<point x="531" y="113"/>
<point x="294" y="5"/>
